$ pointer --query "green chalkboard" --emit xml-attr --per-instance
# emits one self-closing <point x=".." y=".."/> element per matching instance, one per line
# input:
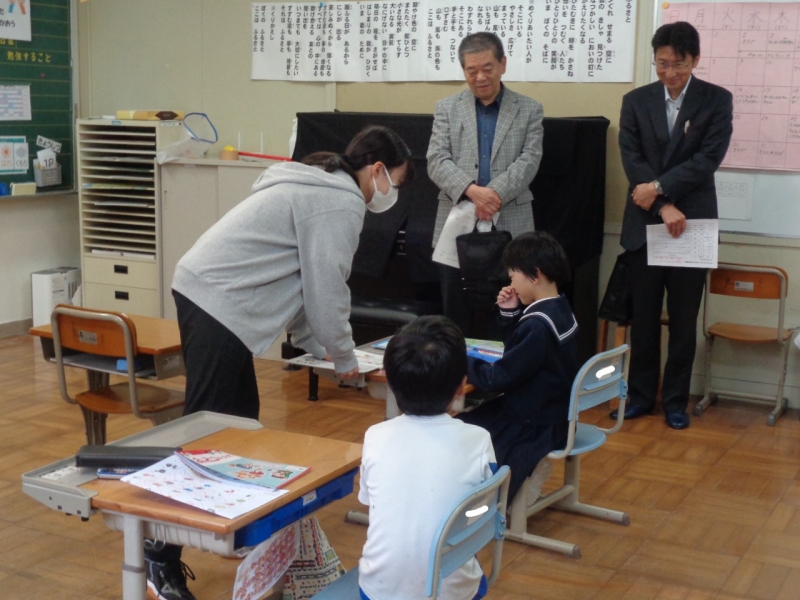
<point x="45" y="65"/>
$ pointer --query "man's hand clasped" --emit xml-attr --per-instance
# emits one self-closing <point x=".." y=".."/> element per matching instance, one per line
<point x="674" y="219"/>
<point x="487" y="201"/>
<point x="645" y="194"/>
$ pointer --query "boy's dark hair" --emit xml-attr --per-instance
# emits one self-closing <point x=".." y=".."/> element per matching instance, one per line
<point x="370" y="145"/>
<point x="682" y="36"/>
<point x="425" y="363"/>
<point x="480" y="42"/>
<point x="538" y="250"/>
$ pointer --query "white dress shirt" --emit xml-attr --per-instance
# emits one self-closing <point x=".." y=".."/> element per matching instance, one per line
<point x="674" y="106"/>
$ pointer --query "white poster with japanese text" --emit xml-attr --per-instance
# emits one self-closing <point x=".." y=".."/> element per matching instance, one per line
<point x="15" y="20"/>
<point x="417" y="40"/>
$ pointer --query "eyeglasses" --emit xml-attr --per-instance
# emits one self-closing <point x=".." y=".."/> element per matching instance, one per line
<point x="676" y="66"/>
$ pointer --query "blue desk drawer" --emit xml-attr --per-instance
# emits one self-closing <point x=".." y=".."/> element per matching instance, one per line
<point x="258" y="531"/>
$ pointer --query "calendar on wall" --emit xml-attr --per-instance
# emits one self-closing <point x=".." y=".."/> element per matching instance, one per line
<point x="417" y="40"/>
<point x="753" y="50"/>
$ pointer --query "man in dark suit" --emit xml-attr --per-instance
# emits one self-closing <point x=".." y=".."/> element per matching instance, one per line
<point x="673" y="135"/>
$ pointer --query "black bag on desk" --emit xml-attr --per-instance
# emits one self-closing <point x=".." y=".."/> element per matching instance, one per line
<point x="121" y="456"/>
<point x="480" y="259"/>
<point x="616" y="305"/>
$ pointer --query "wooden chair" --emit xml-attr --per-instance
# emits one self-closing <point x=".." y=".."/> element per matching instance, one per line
<point x="96" y="340"/>
<point x="620" y="333"/>
<point x="474" y="521"/>
<point x="754" y="282"/>
<point x="601" y="379"/>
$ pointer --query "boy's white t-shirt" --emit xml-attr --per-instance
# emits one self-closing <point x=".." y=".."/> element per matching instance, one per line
<point x="413" y="470"/>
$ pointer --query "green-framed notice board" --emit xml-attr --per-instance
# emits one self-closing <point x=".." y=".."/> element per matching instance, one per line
<point x="45" y="65"/>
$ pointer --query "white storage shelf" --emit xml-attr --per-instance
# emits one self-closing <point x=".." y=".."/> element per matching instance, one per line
<point x="119" y="208"/>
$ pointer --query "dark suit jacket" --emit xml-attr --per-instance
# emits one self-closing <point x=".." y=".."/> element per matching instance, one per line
<point x="685" y="163"/>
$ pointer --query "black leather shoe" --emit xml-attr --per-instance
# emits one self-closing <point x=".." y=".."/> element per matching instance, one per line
<point x="676" y="419"/>
<point x="632" y="411"/>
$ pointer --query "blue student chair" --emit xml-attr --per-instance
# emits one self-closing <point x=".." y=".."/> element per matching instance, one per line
<point x="475" y="520"/>
<point x="601" y="379"/>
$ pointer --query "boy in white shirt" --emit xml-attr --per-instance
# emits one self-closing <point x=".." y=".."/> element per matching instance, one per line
<point x="416" y="466"/>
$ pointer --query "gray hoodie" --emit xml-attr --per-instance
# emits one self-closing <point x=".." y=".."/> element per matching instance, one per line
<point x="280" y="260"/>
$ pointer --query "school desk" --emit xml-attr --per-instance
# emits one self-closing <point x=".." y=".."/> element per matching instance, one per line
<point x="158" y="338"/>
<point x="375" y="382"/>
<point x="141" y="514"/>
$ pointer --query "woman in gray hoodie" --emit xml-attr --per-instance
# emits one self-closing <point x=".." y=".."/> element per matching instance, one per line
<point x="280" y="261"/>
<point x="277" y="261"/>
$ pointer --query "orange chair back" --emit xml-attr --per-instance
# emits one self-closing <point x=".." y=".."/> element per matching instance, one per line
<point x="94" y="336"/>
<point x="747" y="284"/>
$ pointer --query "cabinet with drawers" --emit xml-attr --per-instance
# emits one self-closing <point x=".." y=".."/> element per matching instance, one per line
<point x="120" y="212"/>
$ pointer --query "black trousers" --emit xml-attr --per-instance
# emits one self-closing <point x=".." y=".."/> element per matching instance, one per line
<point x="684" y="288"/>
<point x="220" y="375"/>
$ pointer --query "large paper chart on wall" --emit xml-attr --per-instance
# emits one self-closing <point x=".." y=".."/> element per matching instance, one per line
<point x="417" y="40"/>
<point x="753" y="50"/>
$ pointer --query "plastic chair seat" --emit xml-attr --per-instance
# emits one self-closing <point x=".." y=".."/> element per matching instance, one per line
<point x="587" y="438"/>
<point x="116" y="399"/>
<point x="753" y="334"/>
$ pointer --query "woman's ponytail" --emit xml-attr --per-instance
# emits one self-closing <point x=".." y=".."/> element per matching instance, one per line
<point x="330" y="162"/>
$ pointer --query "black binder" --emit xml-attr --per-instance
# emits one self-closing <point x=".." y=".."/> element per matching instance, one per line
<point x="121" y="456"/>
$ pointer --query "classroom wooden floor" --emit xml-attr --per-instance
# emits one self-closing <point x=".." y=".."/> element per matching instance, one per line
<point x="715" y="509"/>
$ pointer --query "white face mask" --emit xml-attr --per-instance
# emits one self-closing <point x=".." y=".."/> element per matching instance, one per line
<point x="382" y="202"/>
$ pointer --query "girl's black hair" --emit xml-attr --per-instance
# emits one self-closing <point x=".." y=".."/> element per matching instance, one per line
<point x="372" y="144"/>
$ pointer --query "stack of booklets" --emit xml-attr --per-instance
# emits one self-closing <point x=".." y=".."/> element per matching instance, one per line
<point x="230" y="468"/>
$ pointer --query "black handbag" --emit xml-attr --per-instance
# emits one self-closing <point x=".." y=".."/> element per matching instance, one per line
<point x="617" y="305"/>
<point x="480" y="260"/>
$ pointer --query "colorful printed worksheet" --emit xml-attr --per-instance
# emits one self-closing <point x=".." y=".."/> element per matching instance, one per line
<point x="239" y="469"/>
<point x="176" y="480"/>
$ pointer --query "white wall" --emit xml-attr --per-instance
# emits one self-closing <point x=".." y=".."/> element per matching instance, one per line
<point x="191" y="55"/>
<point x="35" y="233"/>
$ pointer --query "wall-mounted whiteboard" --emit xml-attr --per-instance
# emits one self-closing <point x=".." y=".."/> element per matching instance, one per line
<point x="753" y="50"/>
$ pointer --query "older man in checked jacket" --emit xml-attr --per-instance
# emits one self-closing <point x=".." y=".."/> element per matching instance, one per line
<point x="485" y="148"/>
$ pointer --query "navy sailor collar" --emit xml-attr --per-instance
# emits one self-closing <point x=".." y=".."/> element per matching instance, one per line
<point x="556" y="313"/>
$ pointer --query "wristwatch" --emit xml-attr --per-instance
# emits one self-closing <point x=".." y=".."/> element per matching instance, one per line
<point x="658" y="187"/>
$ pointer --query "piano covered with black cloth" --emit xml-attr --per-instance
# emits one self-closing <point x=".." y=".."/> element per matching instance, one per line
<point x="393" y="278"/>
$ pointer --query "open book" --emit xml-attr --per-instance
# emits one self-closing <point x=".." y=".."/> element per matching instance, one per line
<point x="230" y="468"/>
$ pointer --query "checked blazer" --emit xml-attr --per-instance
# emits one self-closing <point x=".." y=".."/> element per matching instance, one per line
<point x="516" y="153"/>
